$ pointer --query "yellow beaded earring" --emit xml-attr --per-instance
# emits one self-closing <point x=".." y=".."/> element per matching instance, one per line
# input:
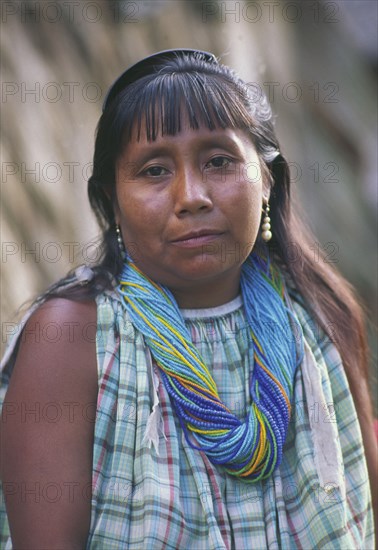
<point x="266" y="227"/>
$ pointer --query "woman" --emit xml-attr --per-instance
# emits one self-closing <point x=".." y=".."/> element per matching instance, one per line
<point x="198" y="395"/>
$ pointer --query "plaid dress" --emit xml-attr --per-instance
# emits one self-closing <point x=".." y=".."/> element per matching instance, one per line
<point x="159" y="493"/>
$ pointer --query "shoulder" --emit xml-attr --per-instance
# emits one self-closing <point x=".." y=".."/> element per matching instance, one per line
<point x="57" y="351"/>
<point x="54" y="321"/>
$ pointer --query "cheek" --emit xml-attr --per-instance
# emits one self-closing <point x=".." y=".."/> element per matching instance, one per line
<point x="140" y="216"/>
<point x="249" y="206"/>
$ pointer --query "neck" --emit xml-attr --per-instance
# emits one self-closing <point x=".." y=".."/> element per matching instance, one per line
<point x="208" y="295"/>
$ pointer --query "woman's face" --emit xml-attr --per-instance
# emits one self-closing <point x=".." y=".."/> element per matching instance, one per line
<point x="189" y="208"/>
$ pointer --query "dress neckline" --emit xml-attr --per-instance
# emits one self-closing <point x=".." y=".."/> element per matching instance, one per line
<point x="211" y="312"/>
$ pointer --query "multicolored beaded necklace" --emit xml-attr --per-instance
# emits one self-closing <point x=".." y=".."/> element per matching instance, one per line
<point x="250" y="449"/>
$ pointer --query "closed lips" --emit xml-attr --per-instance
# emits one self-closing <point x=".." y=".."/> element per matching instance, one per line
<point x="197" y="234"/>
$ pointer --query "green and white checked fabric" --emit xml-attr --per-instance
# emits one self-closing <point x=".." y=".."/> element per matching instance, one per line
<point x="177" y="499"/>
<point x="172" y="497"/>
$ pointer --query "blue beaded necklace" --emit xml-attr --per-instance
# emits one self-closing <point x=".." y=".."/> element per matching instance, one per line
<point x="250" y="449"/>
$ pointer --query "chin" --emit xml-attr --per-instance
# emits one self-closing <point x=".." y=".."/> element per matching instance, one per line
<point x="206" y="272"/>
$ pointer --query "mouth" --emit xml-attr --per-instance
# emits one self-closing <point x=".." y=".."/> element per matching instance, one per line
<point x="197" y="238"/>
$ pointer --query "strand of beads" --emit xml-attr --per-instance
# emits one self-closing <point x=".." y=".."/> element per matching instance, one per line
<point x="266" y="227"/>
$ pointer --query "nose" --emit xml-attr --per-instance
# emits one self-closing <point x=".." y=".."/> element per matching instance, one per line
<point x="191" y="194"/>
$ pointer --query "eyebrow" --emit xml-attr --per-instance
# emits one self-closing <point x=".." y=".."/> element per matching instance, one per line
<point x="202" y="143"/>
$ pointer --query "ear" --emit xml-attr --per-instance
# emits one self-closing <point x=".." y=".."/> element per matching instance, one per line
<point x="265" y="201"/>
<point x="266" y="191"/>
<point x="267" y="182"/>
<point x="111" y="193"/>
<point x="117" y="212"/>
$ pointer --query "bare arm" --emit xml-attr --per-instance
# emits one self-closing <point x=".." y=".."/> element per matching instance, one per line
<point x="47" y="429"/>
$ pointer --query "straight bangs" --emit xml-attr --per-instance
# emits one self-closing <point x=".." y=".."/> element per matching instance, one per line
<point x="164" y="104"/>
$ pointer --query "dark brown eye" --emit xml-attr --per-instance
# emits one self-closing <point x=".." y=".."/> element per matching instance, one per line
<point x="155" y="171"/>
<point x="219" y="161"/>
